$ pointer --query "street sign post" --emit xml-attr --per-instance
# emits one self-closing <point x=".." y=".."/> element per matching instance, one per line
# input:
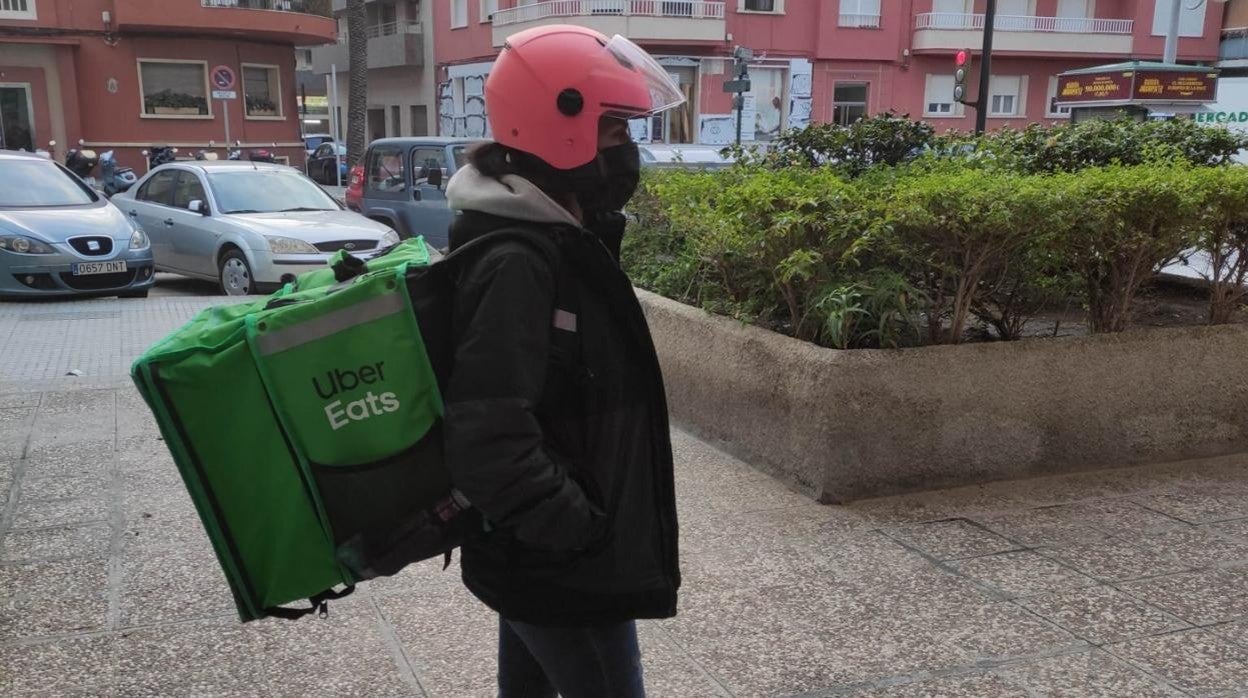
<point x="222" y="78"/>
<point x="741" y="57"/>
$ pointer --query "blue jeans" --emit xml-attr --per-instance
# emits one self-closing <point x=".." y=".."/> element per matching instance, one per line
<point x="594" y="662"/>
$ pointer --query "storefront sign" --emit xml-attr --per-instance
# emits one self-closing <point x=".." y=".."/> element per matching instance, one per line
<point x="1095" y="87"/>
<point x="1121" y="86"/>
<point x="1195" y="86"/>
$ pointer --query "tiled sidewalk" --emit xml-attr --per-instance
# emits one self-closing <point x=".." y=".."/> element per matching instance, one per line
<point x="1129" y="582"/>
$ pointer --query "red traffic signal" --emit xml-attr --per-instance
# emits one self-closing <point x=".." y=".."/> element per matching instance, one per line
<point x="962" y="66"/>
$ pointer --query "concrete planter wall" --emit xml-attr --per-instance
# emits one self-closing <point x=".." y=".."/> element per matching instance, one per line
<point x="854" y="424"/>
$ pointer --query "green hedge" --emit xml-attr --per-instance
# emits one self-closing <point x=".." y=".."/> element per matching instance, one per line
<point x="925" y="252"/>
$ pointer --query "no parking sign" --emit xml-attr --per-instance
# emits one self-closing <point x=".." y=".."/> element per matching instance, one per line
<point x="222" y="77"/>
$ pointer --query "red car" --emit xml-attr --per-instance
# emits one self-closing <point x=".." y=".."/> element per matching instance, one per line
<point x="355" y="188"/>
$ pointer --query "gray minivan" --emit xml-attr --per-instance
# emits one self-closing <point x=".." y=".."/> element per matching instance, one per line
<point x="404" y="184"/>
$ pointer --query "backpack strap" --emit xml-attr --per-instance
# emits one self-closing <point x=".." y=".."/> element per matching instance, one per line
<point x="565" y="321"/>
<point x="319" y="602"/>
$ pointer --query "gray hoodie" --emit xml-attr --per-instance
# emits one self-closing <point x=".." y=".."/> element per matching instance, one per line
<point x="510" y="196"/>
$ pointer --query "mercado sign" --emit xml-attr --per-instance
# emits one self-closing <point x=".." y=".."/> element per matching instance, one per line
<point x="1134" y="83"/>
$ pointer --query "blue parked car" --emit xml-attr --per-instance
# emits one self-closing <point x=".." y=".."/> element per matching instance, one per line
<point x="59" y="236"/>
<point x="320" y="165"/>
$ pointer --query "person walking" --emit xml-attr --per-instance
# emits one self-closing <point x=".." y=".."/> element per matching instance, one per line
<point x="556" y="422"/>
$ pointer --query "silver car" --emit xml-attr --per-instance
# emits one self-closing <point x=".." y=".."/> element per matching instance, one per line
<point x="58" y="237"/>
<point x="246" y="225"/>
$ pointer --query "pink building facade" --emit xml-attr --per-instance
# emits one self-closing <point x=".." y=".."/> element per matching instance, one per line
<point x="129" y="75"/>
<point x="823" y="60"/>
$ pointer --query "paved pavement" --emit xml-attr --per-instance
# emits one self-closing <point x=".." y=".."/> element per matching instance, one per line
<point x="1128" y="582"/>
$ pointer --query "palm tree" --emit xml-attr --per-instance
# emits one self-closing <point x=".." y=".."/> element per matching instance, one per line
<point x="357" y="95"/>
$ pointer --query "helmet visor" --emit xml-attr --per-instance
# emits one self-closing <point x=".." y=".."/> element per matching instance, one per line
<point x="664" y="92"/>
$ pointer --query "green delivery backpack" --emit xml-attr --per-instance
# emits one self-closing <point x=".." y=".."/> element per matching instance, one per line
<point x="306" y="425"/>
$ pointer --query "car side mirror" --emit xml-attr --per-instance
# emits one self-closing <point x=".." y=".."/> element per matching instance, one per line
<point x="435" y="177"/>
<point x="198" y="206"/>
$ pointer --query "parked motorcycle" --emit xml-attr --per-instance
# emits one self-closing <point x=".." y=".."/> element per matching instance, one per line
<point x="115" y="179"/>
<point x="82" y="161"/>
<point x="236" y="152"/>
<point x="262" y="155"/>
<point x="206" y="155"/>
<point x="160" y="155"/>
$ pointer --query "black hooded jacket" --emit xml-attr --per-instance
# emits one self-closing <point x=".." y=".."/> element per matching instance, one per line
<point x="556" y="421"/>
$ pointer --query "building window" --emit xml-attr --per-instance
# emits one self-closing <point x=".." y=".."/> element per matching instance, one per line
<point x="938" y="98"/>
<point x="768" y="6"/>
<point x="396" y="127"/>
<point x="459" y="13"/>
<point x="1055" y="111"/>
<point x="849" y="102"/>
<point x="1004" y="94"/>
<point x="860" y="13"/>
<point x="419" y="125"/>
<point x="174" y="89"/>
<point x="262" y="91"/>
<point x="17" y="118"/>
<point x="18" y="9"/>
<point x="488" y="8"/>
<point x="767" y="91"/>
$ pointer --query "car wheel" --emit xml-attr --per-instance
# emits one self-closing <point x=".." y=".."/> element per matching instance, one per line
<point x="134" y="294"/>
<point x="235" y="275"/>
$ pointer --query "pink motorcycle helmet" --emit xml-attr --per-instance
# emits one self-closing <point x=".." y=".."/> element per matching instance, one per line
<point x="551" y="85"/>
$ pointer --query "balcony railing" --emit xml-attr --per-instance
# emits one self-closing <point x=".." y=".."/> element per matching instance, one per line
<point x="314" y="7"/>
<point x="681" y="9"/>
<point x="1234" y="45"/>
<point x="377" y="31"/>
<point x="1019" y="23"/>
<point x="860" y="21"/>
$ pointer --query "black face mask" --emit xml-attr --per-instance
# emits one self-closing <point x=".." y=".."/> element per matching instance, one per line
<point x="606" y="184"/>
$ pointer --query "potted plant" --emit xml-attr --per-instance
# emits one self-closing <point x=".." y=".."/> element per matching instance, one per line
<point x="260" y="106"/>
<point x="168" y="102"/>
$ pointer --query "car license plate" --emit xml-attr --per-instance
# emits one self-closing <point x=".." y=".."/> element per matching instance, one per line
<point x="88" y="268"/>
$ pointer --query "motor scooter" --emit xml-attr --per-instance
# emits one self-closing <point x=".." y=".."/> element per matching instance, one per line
<point x="82" y="161"/>
<point x="115" y="179"/>
<point x="160" y="155"/>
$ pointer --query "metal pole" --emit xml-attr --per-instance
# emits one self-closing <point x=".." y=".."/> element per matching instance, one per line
<point x="225" y="109"/>
<point x="1171" y="52"/>
<point x="333" y="120"/>
<point x="739" y="99"/>
<point x="985" y="73"/>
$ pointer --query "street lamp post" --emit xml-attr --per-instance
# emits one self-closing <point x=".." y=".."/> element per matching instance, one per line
<point x="1171" y="52"/>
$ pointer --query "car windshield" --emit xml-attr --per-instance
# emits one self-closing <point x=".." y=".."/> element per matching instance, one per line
<point x="267" y="191"/>
<point x="44" y="183"/>
<point x="460" y="153"/>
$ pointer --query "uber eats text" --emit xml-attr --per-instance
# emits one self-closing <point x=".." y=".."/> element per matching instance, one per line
<point x="341" y="381"/>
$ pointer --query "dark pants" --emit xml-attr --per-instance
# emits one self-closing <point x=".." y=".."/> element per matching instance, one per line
<point x="596" y="662"/>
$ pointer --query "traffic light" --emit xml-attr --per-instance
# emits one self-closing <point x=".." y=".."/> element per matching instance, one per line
<point x="961" y="72"/>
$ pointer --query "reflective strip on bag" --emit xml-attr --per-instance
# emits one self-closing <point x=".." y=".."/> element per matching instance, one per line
<point x="331" y="323"/>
